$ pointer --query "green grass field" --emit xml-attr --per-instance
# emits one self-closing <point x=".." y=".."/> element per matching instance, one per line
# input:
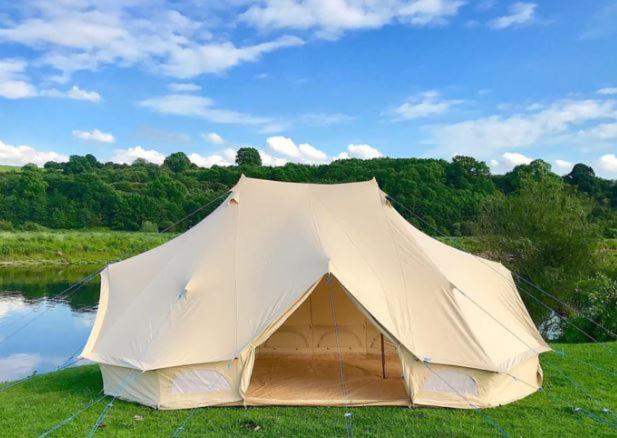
<point x="23" y="248"/>
<point x="32" y="407"/>
<point x="26" y="248"/>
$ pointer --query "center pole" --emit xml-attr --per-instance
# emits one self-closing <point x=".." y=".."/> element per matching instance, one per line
<point x="383" y="359"/>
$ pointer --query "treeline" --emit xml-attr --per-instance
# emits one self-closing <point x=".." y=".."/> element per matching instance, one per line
<point x="84" y="193"/>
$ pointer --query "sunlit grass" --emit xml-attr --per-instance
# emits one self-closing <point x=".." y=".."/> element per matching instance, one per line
<point x="564" y="410"/>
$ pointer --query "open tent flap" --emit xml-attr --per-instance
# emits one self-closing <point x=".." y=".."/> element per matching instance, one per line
<point x="299" y="363"/>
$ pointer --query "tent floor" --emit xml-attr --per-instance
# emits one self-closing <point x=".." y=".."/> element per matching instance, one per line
<point x="297" y="379"/>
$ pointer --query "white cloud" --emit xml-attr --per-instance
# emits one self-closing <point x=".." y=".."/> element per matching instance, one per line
<point x="189" y="62"/>
<point x="269" y="160"/>
<point x="200" y="107"/>
<point x="74" y="93"/>
<point x="608" y="163"/>
<point x="607" y="91"/>
<point x="85" y="35"/>
<point x="78" y="94"/>
<point x="481" y="137"/>
<point x="13" y="82"/>
<point x="563" y="165"/>
<point x="303" y="153"/>
<point x="127" y="156"/>
<point x="312" y="153"/>
<point x="519" y="14"/>
<point x="283" y="145"/>
<point x="226" y="158"/>
<point x="604" y="131"/>
<point x="516" y="159"/>
<point x="16" y="89"/>
<point x="184" y="86"/>
<point x="94" y="135"/>
<point x="20" y="155"/>
<point x="362" y="151"/>
<point x="330" y="18"/>
<point x="213" y="137"/>
<point x="424" y="105"/>
<point x="508" y="161"/>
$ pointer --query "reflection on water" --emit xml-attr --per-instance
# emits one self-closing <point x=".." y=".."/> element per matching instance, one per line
<point x="39" y="329"/>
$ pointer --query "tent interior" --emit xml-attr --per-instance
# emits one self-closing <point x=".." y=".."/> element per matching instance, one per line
<point x="300" y="363"/>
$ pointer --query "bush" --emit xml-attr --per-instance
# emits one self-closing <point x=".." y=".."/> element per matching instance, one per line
<point x="543" y="231"/>
<point x="33" y="226"/>
<point x="597" y="300"/>
<point x="149" y="227"/>
<point x="5" y="225"/>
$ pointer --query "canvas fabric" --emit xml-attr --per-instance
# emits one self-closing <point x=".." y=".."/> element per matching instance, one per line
<point x="216" y="293"/>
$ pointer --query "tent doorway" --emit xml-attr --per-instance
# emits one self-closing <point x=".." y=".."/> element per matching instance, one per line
<point x="300" y="363"/>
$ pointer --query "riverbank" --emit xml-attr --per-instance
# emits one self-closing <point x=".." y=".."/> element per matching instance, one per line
<point x="49" y="248"/>
<point x="565" y="408"/>
<point x="32" y="249"/>
<point x="44" y="248"/>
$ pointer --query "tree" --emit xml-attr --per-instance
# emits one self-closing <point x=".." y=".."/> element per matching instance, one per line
<point x="248" y="157"/>
<point x="543" y="231"/>
<point x="467" y="172"/>
<point x="177" y="162"/>
<point x="78" y="164"/>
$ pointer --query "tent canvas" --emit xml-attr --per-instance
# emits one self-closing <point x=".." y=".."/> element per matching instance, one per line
<point x="191" y="316"/>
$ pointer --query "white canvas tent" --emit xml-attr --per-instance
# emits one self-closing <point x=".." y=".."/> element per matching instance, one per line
<point x="264" y="300"/>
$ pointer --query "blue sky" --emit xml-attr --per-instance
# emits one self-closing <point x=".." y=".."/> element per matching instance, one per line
<point x="310" y="80"/>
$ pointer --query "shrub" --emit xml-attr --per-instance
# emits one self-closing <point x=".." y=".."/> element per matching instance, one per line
<point x="597" y="300"/>
<point x="149" y="227"/>
<point x="5" y="225"/>
<point x="33" y="226"/>
<point x="543" y="231"/>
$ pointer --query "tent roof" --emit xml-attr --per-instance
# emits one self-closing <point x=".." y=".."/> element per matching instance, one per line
<point x="206" y="295"/>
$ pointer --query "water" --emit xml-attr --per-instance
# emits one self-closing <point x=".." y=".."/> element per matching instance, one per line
<point x="38" y="329"/>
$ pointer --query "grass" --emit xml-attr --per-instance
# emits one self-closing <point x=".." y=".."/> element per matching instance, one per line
<point x="32" y="248"/>
<point x="32" y="407"/>
<point x="23" y="248"/>
<point x="8" y="168"/>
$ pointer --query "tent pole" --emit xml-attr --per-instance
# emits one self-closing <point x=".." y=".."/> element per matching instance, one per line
<point x="383" y="359"/>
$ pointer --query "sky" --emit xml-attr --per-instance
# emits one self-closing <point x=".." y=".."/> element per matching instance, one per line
<point x="310" y="81"/>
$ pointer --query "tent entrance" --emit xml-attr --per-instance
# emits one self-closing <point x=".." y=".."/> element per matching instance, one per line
<point x="300" y="364"/>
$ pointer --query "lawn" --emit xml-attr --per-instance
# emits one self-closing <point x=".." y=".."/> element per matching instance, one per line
<point x="33" y="407"/>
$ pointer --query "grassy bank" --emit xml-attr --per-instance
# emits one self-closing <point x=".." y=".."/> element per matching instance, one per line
<point x="24" y="248"/>
<point x="32" y="248"/>
<point x="40" y="248"/>
<point x="34" y="406"/>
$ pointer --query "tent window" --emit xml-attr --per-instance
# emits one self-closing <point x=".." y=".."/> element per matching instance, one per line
<point x="199" y="381"/>
<point x="450" y="381"/>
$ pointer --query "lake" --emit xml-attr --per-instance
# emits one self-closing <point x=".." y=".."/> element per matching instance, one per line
<point x="40" y="330"/>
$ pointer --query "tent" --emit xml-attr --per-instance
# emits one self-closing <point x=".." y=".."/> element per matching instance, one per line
<point x="311" y="294"/>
